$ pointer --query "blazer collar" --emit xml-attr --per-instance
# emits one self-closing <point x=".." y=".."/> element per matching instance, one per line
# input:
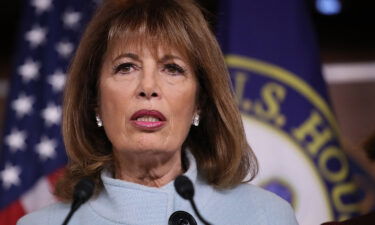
<point x="130" y="203"/>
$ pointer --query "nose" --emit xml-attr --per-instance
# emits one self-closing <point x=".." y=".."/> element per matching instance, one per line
<point x="148" y="87"/>
<point x="146" y="94"/>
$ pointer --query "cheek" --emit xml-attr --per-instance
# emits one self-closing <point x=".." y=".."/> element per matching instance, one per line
<point x="114" y="102"/>
<point x="109" y="99"/>
<point x="183" y="106"/>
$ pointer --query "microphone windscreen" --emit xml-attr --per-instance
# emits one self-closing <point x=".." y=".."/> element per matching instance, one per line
<point x="181" y="218"/>
<point x="184" y="187"/>
<point x="84" y="189"/>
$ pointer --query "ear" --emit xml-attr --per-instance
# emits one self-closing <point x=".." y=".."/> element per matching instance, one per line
<point x="96" y="110"/>
<point x="98" y="119"/>
<point x="197" y="110"/>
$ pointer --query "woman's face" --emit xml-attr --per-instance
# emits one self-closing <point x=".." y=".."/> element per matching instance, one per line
<point x="146" y="101"/>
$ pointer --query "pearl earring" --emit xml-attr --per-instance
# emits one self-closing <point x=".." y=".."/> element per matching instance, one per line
<point x="98" y="121"/>
<point x="196" y="119"/>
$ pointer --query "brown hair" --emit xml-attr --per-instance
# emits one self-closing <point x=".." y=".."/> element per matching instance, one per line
<point x="219" y="145"/>
<point x="369" y="146"/>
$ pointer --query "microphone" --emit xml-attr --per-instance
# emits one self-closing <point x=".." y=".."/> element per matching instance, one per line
<point x="185" y="189"/>
<point x="181" y="218"/>
<point x="82" y="192"/>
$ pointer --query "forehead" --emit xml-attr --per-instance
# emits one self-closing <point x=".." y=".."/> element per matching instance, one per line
<point x="157" y="48"/>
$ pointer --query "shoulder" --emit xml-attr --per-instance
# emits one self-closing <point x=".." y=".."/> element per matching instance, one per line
<point x="254" y="195"/>
<point x="52" y="214"/>
<point x="247" y="202"/>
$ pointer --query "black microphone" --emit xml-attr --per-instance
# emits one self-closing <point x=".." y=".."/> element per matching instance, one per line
<point x="181" y="218"/>
<point x="82" y="192"/>
<point x="185" y="189"/>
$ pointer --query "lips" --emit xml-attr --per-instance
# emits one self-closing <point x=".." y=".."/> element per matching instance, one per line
<point x="148" y="119"/>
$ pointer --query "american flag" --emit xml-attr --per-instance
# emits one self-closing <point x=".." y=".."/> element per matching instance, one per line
<point x="32" y="151"/>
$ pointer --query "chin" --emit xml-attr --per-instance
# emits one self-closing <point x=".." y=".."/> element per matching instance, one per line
<point x="152" y="148"/>
<point x="156" y="143"/>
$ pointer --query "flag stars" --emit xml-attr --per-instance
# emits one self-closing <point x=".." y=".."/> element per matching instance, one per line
<point x="29" y="70"/>
<point x="64" y="49"/>
<point x="10" y="176"/>
<point x="57" y="80"/>
<point x="23" y="105"/>
<point x="71" y="19"/>
<point x="42" y="5"/>
<point x="46" y="148"/>
<point x="52" y="114"/>
<point x="16" y="140"/>
<point x="36" y="36"/>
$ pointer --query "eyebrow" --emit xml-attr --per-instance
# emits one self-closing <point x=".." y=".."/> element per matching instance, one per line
<point x="169" y="57"/>
<point x="136" y="57"/>
<point x="128" y="55"/>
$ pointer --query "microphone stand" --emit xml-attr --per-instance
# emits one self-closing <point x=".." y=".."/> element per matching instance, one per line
<point x="185" y="189"/>
<point x="82" y="192"/>
<point x="197" y="212"/>
<point x="75" y="205"/>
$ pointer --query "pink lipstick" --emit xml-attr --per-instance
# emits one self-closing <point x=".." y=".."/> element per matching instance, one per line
<point x="148" y="119"/>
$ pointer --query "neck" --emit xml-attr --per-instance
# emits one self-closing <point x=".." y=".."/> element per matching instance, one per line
<point x="154" y="169"/>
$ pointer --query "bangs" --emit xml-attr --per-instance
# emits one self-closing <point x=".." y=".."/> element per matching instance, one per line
<point x="153" y="24"/>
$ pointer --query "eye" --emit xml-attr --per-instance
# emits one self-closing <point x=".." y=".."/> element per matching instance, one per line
<point x="174" y="69"/>
<point x="125" y="68"/>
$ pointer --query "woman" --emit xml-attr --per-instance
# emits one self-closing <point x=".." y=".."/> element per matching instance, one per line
<point x="149" y="98"/>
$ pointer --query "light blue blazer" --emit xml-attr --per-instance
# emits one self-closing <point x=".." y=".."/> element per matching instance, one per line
<point x="127" y="203"/>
